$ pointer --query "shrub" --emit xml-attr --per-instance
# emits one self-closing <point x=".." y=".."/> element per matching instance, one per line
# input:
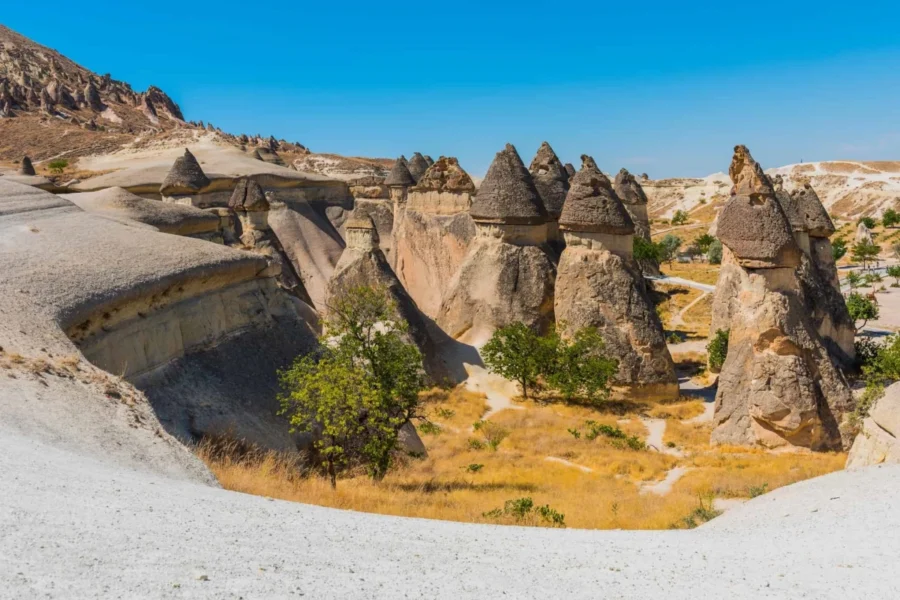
<point x="700" y="515"/>
<point x="644" y="250"/>
<point x="861" y="308"/>
<point x="838" y="249"/>
<point x="704" y="242"/>
<point x="755" y="491"/>
<point x="715" y="253"/>
<point x="679" y="218"/>
<point x="869" y="222"/>
<point x="674" y="338"/>
<point x="492" y="433"/>
<point x="717" y="349"/>
<point x="894" y="272"/>
<point x="429" y="428"/>
<point x="473" y="467"/>
<point x="58" y="166"/>
<point x="618" y="438"/>
<point x="669" y="246"/>
<point x="523" y="509"/>
<point x="890" y="218"/>
<point x="853" y="279"/>
<point x="579" y="367"/>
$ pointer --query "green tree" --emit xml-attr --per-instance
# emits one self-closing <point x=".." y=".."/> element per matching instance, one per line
<point x="838" y="249"/>
<point x="368" y="345"/>
<point x="717" y="349"/>
<point x="679" y="218"/>
<point x="890" y="218"/>
<point x="518" y="353"/>
<point x="58" y="166"/>
<point x="644" y="250"/>
<point x="669" y="246"/>
<point x="894" y="271"/>
<point x="865" y="252"/>
<point x="870" y="222"/>
<point x="715" y="253"/>
<point x="704" y="242"/>
<point x="579" y="367"/>
<point x="853" y="280"/>
<point x="861" y="309"/>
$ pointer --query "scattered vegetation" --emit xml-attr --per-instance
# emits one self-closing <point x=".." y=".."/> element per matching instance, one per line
<point x="890" y="218"/>
<point x="717" y="349"/>
<point x="861" y="308"/>
<point x="58" y="166"/>
<point x="646" y="250"/>
<point x="838" y="249"/>
<point x="680" y="218"/>
<point x="700" y="515"/>
<point x="360" y="387"/>
<point x="869" y="222"/>
<point x="523" y="512"/>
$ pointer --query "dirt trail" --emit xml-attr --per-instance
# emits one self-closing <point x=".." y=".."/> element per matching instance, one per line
<point x="678" y="319"/>
<point x="499" y="391"/>
<point x="567" y="463"/>
<point x="661" y="488"/>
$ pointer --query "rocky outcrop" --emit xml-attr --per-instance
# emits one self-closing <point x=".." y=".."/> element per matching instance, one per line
<point x="778" y="385"/>
<point x="552" y="183"/>
<point x="26" y="168"/>
<point x="444" y="189"/>
<point x="599" y="285"/>
<point x="570" y="170"/>
<point x="508" y="274"/>
<point x="185" y="178"/>
<point x="633" y="197"/>
<point x="864" y="234"/>
<point x="878" y="441"/>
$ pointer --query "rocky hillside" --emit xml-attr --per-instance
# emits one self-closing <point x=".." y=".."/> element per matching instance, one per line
<point x="52" y="107"/>
<point x="847" y="189"/>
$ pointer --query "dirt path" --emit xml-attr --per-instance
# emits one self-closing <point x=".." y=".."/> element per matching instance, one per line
<point x="661" y="488"/>
<point x="567" y="463"/>
<point x="499" y="391"/>
<point x="678" y="319"/>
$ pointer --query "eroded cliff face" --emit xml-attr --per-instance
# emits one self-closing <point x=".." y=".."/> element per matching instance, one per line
<point x="430" y="249"/>
<point x="596" y="288"/>
<point x="778" y="385"/>
<point x="498" y="284"/>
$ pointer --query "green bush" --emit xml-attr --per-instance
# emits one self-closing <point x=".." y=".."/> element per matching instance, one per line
<point x="644" y="250"/>
<point x="715" y="253"/>
<point x="473" y="468"/>
<point x="717" y="350"/>
<point x="523" y="509"/>
<point x="861" y="309"/>
<point x="890" y="218"/>
<point x="58" y="166"/>
<point x="669" y="246"/>
<point x="838" y="249"/>
<point x="679" y="218"/>
<point x="492" y="433"/>
<point x="429" y="428"/>
<point x="869" y="222"/>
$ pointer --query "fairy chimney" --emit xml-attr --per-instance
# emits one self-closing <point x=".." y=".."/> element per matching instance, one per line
<point x="249" y="202"/>
<point x="185" y="180"/>
<point x="361" y="233"/>
<point x="417" y="166"/>
<point x="552" y="183"/>
<point x="444" y="189"/>
<point x="26" y="168"/>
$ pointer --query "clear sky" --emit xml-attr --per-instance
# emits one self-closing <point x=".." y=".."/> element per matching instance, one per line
<point x="665" y="88"/>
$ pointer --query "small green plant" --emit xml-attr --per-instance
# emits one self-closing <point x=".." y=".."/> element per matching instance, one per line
<point x="492" y="433"/>
<point x="618" y="438"/>
<point x="894" y="272"/>
<point x="429" y="428"/>
<point x="861" y="308"/>
<point x="670" y="444"/>
<point x="853" y="280"/>
<point x="575" y="433"/>
<point x="473" y="468"/>
<point x="717" y="349"/>
<point x="838" y="249"/>
<point x="475" y="444"/>
<point x="700" y="515"/>
<point x="674" y="338"/>
<point x="645" y="250"/>
<point x="524" y="510"/>
<point x="58" y="166"/>
<point x="754" y="491"/>
<point x="445" y="413"/>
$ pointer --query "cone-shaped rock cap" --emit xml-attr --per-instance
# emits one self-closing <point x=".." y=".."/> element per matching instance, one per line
<point x="817" y="220"/>
<point x="592" y="205"/>
<point x="446" y="176"/>
<point x="429" y="160"/>
<point x="26" y="168"/>
<point x="752" y="224"/>
<point x="417" y="166"/>
<point x="399" y="175"/>
<point x="185" y="176"/>
<point x="550" y="179"/>
<point x="507" y="193"/>
<point x="570" y="170"/>
<point x="248" y="196"/>
<point x="789" y="205"/>
<point x="628" y="189"/>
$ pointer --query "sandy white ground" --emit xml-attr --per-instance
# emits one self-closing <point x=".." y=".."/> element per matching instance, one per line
<point x="73" y="527"/>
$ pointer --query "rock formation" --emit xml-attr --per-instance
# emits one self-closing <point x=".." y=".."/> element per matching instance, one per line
<point x="429" y="160"/>
<point x="434" y="235"/>
<point x="552" y="183"/>
<point x="92" y="98"/>
<point x="417" y="166"/>
<point x="879" y="439"/>
<point x="600" y="285"/>
<point x="26" y="168"/>
<point x="778" y="384"/>
<point x="570" y="170"/>
<point x="508" y="274"/>
<point x="864" y="234"/>
<point x="185" y="179"/>
<point x="398" y="181"/>
<point x="633" y="197"/>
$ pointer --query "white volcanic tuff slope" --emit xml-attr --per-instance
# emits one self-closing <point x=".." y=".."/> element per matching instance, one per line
<point x="75" y="527"/>
<point x="846" y="188"/>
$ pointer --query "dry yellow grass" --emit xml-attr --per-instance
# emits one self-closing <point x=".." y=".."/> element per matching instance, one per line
<point x="442" y="486"/>
<point x="699" y="272"/>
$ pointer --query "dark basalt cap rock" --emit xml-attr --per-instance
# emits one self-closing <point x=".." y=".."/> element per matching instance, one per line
<point x="248" y="196"/>
<point x="399" y="175"/>
<point x="790" y="207"/>
<point x="429" y="160"/>
<point x="810" y="206"/>
<point x="550" y="179"/>
<point x="26" y="168"/>
<point x="592" y="205"/>
<point x="185" y="176"/>
<point x="417" y="166"/>
<point x="507" y="193"/>
<point x="752" y="223"/>
<point x="628" y="189"/>
<point x="445" y="176"/>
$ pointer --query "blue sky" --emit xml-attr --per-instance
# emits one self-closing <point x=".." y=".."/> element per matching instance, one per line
<point x="665" y="88"/>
